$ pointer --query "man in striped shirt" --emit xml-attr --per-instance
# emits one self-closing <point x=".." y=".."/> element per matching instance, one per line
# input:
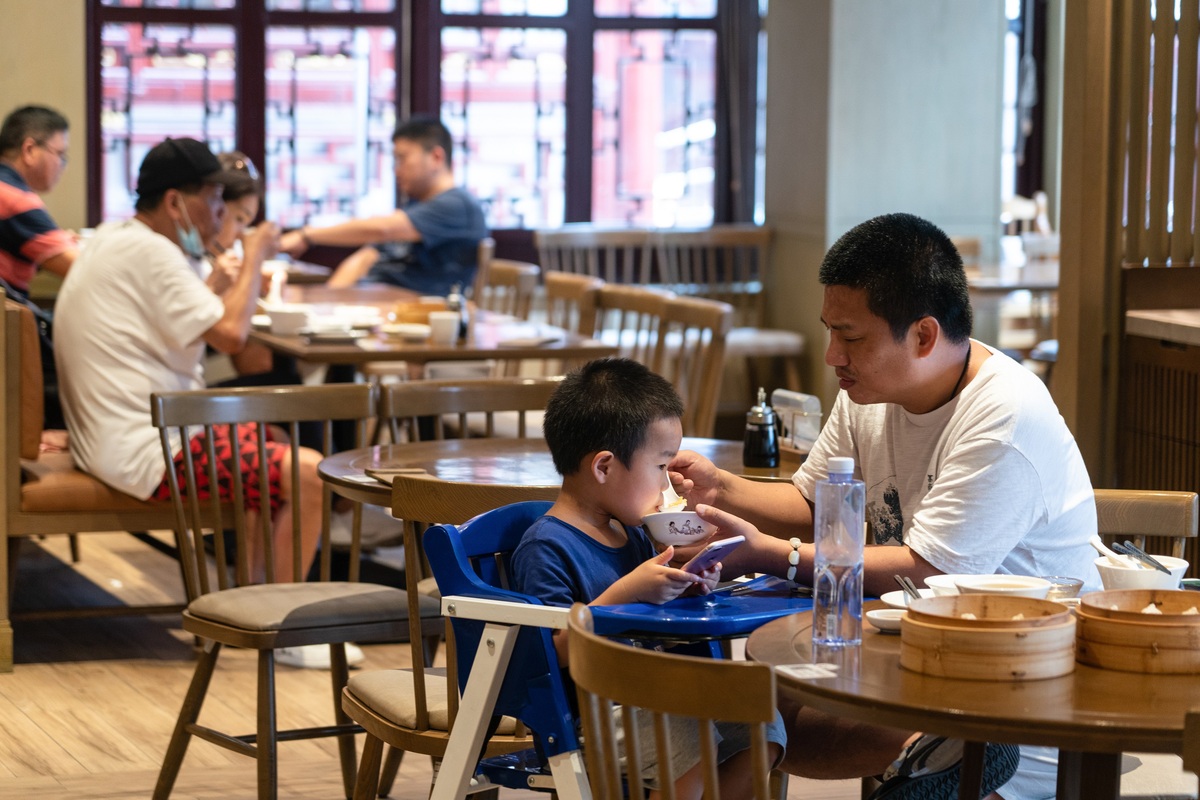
<point x="33" y="156"/>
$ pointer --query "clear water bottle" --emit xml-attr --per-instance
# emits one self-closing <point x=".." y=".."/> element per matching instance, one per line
<point x="838" y="560"/>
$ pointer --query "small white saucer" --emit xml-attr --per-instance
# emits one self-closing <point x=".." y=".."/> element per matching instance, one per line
<point x="887" y="620"/>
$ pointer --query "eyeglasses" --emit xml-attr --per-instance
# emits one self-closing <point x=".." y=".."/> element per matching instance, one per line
<point x="60" y="154"/>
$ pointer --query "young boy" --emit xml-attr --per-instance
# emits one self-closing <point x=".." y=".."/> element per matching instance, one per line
<point x="612" y="428"/>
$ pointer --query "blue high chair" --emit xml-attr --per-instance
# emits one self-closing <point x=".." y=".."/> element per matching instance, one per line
<point x="507" y="664"/>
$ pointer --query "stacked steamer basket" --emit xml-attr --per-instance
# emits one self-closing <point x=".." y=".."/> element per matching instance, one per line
<point x="1140" y="630"/>
<point x="988" y="637"/>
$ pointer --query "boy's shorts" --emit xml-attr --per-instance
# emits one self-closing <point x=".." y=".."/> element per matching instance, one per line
<point x="731" y="738"/>
<point x="242" y="456"/>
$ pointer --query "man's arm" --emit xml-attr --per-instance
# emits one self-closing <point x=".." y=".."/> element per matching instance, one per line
<point x="394" y="227"/>
<point x="354" y="268"/>
<point x="59" y="263"/>
<point x="228" y="335"/>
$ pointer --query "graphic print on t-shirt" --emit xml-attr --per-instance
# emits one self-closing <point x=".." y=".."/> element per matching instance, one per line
<point x="883" y="512"/>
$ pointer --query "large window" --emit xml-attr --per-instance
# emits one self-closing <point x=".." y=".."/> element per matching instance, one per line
<point x="614" y="111"/>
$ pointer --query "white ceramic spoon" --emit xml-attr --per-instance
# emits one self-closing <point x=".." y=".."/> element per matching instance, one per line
<point x="670" y="497"/>
<point x="1125" y="562"/>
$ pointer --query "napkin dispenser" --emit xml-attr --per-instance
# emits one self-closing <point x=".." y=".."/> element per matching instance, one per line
<point x="800" y="417"/>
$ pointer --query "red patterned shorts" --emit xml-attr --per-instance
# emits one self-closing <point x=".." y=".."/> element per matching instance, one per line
<point x="244" y="459"/>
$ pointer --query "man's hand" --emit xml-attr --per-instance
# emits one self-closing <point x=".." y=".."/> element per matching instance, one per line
<point x="225" y="269"/>
<point x="262" y="242"/>
<point x="696" y="477"/>
<point x="759" y="553"/>
<point x="655" y="581"/>
<point x="294" y="243"/>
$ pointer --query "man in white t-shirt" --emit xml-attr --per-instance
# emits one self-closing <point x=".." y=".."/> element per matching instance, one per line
<point x="134" y="318"/>
<point x="968" y="466"/>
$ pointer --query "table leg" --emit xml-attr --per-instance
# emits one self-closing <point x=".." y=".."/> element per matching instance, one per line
<point x="970" y="772"/>
<point x="475" y="711"/>
<point x="1088" y="776"/>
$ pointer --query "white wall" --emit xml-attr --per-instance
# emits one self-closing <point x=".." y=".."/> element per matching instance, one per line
<point x="42" y="62"/>
<point x="908" y="95"/>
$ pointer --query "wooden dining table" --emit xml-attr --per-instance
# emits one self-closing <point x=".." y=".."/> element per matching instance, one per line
<point x="489" y="336"/>
<point x="518" y="462"/>
<point x="1092" y="715"/>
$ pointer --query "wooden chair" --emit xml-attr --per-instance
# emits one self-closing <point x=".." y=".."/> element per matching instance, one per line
<point x="570" y="301"/>
<point x="1168" y="518"/>
<point x="411" y="710"/>
<point x="486" y="407"/>
<point x="230" y="608"/>
<point x="1191" y="742"/>
<point x="631" y="318"/>
<point x="730" y="263"/>
<point x="717" y="689"/>
<point x="623" y="255"/>
<point x="508" y="287"/>
<point x="691" y="355"/>
<point x="45" y="493"/>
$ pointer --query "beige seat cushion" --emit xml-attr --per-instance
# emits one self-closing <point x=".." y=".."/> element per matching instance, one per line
<point x="389" y="692"/>
<point x="763" y="342"/>
<point x="53" y="483"/>
<point x="295" y="606"/>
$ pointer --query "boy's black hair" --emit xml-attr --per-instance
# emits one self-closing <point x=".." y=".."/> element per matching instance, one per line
<point x="427" y="131"/>
<point x="909" y="269"/>
<point x="607" y="404"/>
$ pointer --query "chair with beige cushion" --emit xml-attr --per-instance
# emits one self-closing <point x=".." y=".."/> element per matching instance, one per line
<point x="232" y="608"/>
<point x="412" y="709"/>
<point x="45" y="493"/>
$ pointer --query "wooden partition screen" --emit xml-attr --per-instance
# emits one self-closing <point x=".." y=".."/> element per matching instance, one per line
<point x="1157" y="128"/>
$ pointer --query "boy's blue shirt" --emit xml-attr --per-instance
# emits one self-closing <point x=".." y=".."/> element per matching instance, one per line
<point x="560" y="564"/>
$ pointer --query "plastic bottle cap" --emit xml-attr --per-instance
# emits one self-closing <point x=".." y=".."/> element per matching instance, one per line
<point x="841" y="465"/>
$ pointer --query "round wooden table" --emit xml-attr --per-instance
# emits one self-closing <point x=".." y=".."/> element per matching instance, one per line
<point x="520" y="462"/>
<point x="1092" y="715"/>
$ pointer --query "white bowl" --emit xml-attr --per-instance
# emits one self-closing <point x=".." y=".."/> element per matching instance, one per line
<point x="1011" y="585"/>
<point x="1114" y="577"/>
<point x="677" y="527"/>
<point x="288" y="320"/>
<point x="885" y="619"/>
<point x="943" y="585"/>
<point x="899" y="599"/>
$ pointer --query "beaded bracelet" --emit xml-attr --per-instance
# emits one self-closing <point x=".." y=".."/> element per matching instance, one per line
<point x="793" y="558"/>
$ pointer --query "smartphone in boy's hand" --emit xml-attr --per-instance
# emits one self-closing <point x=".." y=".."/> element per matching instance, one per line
<point x="707" y="558"/>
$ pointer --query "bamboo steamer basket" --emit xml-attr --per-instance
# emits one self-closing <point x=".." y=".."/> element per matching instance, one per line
<point x="417" y="311"/>
<point x="936" y="640"/>
<point x="1126" y="640"/>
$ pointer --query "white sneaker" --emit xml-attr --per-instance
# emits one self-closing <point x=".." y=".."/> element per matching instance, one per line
<point x="378" y="527"/>
<point x="316" y="656"/>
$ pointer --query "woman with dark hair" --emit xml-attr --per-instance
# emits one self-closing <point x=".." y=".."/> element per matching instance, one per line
<point x="243" y="197"/>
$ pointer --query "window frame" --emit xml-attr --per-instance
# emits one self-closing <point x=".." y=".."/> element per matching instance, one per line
<point x="418" y="82"/>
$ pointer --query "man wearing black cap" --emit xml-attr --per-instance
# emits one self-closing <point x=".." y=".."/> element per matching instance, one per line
<point x="134" y="316"/>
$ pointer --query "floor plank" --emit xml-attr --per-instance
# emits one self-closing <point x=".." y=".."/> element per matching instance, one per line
<point x="91" y="704"/>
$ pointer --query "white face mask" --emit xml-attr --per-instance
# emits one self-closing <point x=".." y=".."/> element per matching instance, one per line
<point x="189" y="240"/>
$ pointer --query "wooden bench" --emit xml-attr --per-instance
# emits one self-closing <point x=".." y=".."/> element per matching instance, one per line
<point x="44" y="493"/>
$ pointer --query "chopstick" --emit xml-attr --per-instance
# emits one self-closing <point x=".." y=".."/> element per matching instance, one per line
<point x="1145" y="557"/>
<point x="908" y="586"/>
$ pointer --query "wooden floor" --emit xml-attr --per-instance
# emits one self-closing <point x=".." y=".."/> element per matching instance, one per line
<point x="89" y="708"/>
